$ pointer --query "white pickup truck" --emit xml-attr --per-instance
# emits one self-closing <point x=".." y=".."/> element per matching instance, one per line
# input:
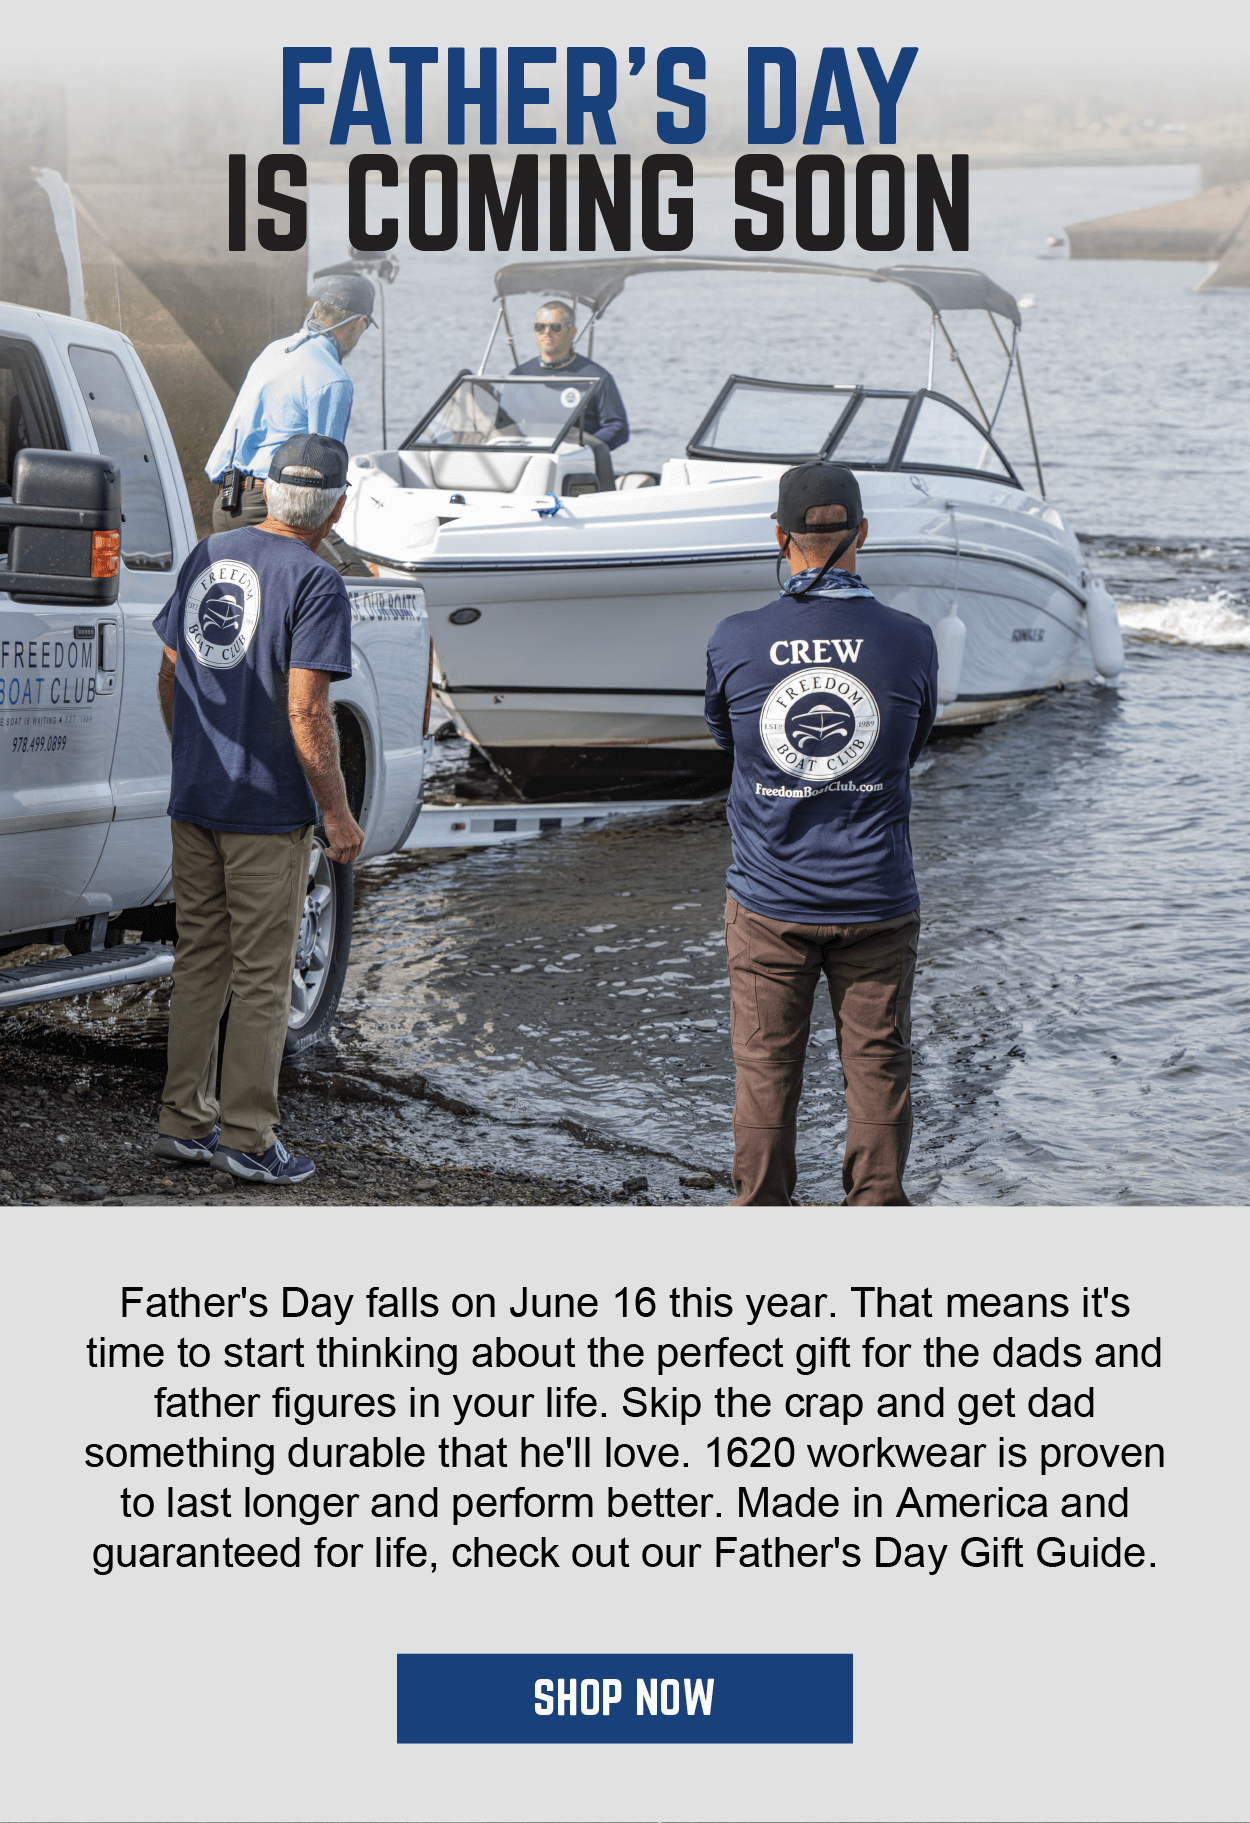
<point x="84" y="757"/>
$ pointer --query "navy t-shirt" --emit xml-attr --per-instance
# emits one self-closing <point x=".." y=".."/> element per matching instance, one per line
<point x="246" y="607"/>
<point x="605" y="415"/>
<point x="825" y="702"/>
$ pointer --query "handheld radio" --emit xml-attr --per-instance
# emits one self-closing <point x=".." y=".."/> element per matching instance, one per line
<point x="232" y="482"/>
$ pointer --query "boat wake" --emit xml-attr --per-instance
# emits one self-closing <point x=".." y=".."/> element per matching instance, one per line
<point x="1218" y="620"/>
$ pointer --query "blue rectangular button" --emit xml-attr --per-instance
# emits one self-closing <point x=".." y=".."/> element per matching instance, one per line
<point x="624" y="1696"/>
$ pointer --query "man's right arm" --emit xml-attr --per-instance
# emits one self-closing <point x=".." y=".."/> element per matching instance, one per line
<point x="165" y="688"/>
<point x="716" y="709"/>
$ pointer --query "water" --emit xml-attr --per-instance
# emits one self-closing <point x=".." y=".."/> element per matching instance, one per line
<point x="1080" y="1010"/>
<point x="1081" y="1006"/>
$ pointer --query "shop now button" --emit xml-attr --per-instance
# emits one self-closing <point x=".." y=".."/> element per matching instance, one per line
<point x="629" y="1696"/>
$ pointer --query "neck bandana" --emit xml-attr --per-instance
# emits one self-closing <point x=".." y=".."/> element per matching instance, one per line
<point x="835" y="583"/>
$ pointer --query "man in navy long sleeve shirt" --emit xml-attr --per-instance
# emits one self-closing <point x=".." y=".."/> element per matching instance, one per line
<point x="825" y="698"/>
<point x="605" y="415"/>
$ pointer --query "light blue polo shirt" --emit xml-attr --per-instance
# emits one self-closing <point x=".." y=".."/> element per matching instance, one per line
<point x="284" y="395"/>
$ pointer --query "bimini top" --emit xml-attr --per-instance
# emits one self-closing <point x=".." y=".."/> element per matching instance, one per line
<point x="595" y="283"/>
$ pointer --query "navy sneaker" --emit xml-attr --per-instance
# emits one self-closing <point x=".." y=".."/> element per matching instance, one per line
<point x="188" y="1151"/>
<point x="276" y="1167"/>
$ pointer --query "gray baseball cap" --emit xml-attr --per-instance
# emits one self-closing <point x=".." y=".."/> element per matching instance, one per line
<point x="347" y="291"/>
<point x="326" y="456"/>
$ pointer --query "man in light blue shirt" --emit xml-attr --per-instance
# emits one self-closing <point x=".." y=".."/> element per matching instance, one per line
<point x="295" y="387"/>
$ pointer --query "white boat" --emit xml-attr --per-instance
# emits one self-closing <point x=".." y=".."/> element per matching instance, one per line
<point x="571" y="608"/>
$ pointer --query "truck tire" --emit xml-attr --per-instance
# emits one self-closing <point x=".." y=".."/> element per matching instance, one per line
<point x="321" y="952"/>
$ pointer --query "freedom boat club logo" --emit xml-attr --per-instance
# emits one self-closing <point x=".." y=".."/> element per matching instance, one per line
<point x="222" y="614"/>
<point x="820" y="724"/>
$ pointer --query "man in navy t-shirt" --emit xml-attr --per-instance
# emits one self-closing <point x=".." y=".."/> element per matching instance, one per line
<point x="825" y="698"/>
<point x="254" y="633"/>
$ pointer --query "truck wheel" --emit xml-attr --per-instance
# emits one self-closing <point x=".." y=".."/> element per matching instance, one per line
<point x="321" y="952"/>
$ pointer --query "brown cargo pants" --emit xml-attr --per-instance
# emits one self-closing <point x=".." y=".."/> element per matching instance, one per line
<point x="240" y="899"/>
<point x="774" y="968"/>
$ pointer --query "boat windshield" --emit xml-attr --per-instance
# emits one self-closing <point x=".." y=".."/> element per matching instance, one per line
<point x="775" y="421"/>
<point x="507" y="413"/>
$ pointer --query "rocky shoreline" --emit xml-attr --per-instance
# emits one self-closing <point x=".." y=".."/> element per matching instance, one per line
<point x="81" y="1118"/>
<point x="81" y="1131"/>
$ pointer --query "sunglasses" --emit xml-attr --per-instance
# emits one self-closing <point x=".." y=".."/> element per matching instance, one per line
<point x="551" y="328"/>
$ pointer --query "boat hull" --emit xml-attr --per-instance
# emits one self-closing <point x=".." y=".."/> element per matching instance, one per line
<point x="639" y="738"/>
<point x="555" y="774"/>
<point x="575" y="653"/>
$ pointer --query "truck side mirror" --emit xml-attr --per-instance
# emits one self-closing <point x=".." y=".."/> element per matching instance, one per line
<point x="65" y="529"/>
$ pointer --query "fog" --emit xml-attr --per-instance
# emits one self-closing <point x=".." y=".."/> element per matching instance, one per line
<point x="182" y="90"/>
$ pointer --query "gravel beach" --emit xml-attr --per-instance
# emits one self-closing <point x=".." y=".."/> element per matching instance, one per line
<point x="81" y="1118"/>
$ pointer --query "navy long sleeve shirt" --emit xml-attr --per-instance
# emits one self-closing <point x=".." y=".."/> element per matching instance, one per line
<point x="605" y="415"/>
<point x="825" y="703"/>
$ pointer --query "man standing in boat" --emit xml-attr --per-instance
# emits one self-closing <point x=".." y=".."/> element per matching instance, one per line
<point x="554" y="327"/>
<point x="825" y="698"/>
<point x="295" y="387"/>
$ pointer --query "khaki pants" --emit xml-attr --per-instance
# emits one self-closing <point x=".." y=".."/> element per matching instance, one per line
<point x="251" y="510"/>
<point x="774" y="968"/>
<point x="239" y="899"/>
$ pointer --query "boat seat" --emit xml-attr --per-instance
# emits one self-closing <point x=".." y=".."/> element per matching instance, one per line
<point x="504" y="472"/>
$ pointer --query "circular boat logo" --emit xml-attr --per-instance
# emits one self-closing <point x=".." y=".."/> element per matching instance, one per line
<point x="820" y="724"/>
<point x="569" y="397"/>
<point x="222" y="614"/>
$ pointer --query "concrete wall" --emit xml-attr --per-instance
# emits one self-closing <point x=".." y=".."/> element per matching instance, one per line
<point x="155" y="265"/>
<point x="32" y="136"/>
<point x="1200" y="228"/>
<point x="199" y="315"/>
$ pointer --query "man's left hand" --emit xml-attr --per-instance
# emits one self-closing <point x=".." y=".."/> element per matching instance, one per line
<point x="344" y="836"/>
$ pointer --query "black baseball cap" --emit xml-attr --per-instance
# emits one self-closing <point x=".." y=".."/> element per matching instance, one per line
<point x="817" y="484"/>
<point x="349" y="291"/>
<point x="326" y="456"/>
